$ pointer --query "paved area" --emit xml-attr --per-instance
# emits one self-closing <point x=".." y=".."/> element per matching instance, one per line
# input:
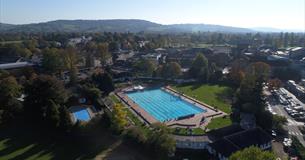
<point x="292" y="125"/>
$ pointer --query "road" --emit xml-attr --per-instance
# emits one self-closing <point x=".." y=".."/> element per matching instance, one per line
<point x="292" y="125"/>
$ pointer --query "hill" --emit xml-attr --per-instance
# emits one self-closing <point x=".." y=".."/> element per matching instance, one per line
<point x="118" y="25"/>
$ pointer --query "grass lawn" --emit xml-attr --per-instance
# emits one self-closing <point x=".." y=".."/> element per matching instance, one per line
<point x="219" y="122"/>
<point x="114" y="99"/>
<point x="24" y="142"/>
<point x="213" y="95"/>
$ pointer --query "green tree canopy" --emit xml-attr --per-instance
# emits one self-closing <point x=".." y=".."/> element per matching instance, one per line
<point x="252" y="153"/>
<point x="9" y="88"/>
<point x="199" y="68"/>
<point x="170" y="70"/>
<point x="104" y="82"/>
<point x="52" y="60"/>
<point x="40" y="91"/>
<point x="260" y="70"/>
<point x="145" y="67"/>
<point x="103" y="51"/>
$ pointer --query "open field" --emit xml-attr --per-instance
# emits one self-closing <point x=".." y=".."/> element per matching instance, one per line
<point x="213" y="95"/>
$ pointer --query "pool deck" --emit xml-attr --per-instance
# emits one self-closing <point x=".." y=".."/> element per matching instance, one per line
<point x="192" y="122"/>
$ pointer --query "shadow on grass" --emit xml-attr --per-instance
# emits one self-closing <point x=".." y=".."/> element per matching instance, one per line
<point x="226" y="95"/>
<point x="22" y="142"/>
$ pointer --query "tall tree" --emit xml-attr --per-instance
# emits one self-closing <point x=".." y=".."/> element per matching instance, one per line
<point x="145" y="67"/>
<point x="102" y="49"/>
<point x="65" y="123"/>
<point x="52" y="60"/>
<point x="40" y="91"/>
<point x="52" y="115"/>
<point x="171" y="70"/>
<point x="119" y="121"/>
<point x="199" y="68"/>
<point x="260" y="70"/>
<point x="10" y="90"/>
<point x="104" y="82"/>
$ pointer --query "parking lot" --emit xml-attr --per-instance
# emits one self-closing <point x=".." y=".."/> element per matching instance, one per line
<point x="282" y="102"/>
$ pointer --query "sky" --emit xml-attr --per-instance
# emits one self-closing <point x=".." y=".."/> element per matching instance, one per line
<point x="283" y="14"/>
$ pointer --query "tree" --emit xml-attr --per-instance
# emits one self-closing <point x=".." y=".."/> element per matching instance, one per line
<point x="199" y="68"/>
<point x="26" y="53"/>
<point x="145" y="67"/>
<point x="260" y="70"/>
<point x="10" y="110"/>
<point x="52" y="115"/>
<point x="102" y="49"/>
<point x="103" y="82"/>
<point x="253" y="153"/>
<point x="114" y="46"/>
<point x="119" y="121"/>
<point x="65" y="123"/>
<point x="4" y="74"/>
<point x="91" y="92"/>
<point x="161" y="141"/>
<point x="171" y="70"/>
<point x="279" y="122"/>
<point x="274" y="84"/>
<point x="40" y="92"/>
<point x="136" y="135"/>
<point x="10" y="90"/>
<point x="52" y="60"/>
<point x="70" y="60"/>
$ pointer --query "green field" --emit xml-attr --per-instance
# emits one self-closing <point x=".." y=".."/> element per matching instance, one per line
<point x="219" y="122"/>
<point x="213" y="95"/>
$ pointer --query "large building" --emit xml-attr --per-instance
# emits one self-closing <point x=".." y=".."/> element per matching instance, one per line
<point x="226" y="146"/>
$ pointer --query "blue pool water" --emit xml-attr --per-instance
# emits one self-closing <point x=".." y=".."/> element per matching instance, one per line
<point x="82" y="115"/>
<point x="162" y="105"/>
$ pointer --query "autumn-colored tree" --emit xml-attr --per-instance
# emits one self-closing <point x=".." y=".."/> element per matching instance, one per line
<point x="274" y="83"/>
<point x="118" y="117"/>
<point x="260" y="70"/>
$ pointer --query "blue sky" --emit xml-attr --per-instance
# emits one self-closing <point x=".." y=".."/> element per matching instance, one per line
<point x="285" y="14"/>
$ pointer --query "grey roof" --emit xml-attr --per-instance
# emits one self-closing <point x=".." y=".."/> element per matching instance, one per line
<point x="15" y="65"/>
<point x="240" y="140"/>
<point x="224" y="147"/>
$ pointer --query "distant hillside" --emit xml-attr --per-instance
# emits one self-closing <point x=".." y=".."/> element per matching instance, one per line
<point x="267" y="29"/>
<point x="115" y="26"/>
<point x="207" y="27"/>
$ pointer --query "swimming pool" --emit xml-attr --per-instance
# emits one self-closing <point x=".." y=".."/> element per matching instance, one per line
<point x="82" y="115"/>
<point x="162" y="105"/>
